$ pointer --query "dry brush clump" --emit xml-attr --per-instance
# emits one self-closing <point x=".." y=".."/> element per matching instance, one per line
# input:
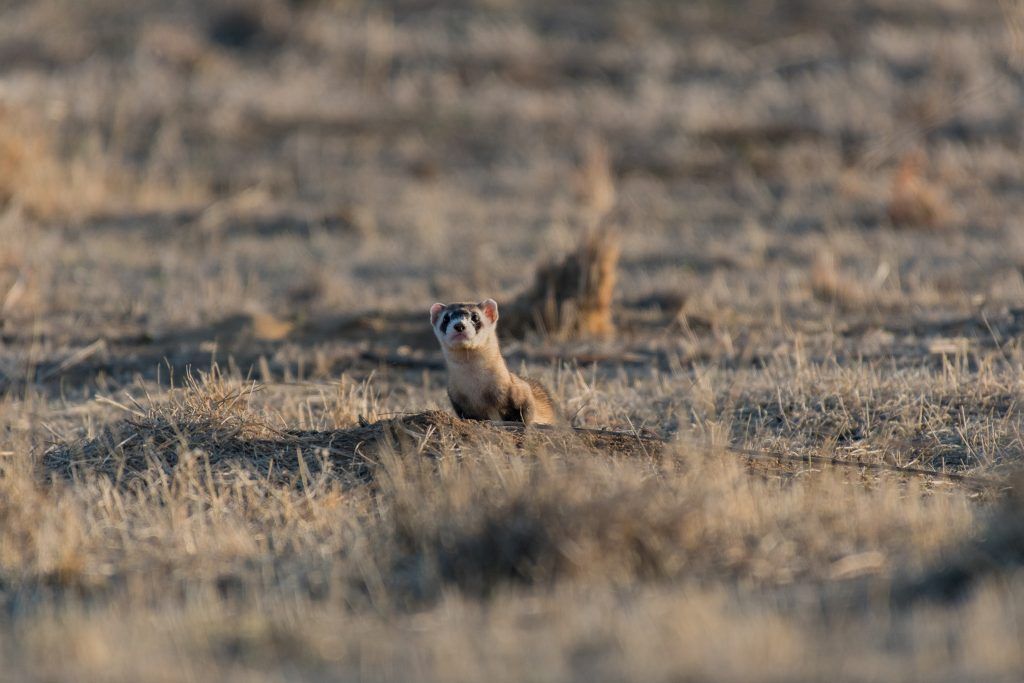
<point x="571" y="297"/>
<point x="594" y="182"/>
<point x="829" y="283"/>
<point x="915" y="201"/>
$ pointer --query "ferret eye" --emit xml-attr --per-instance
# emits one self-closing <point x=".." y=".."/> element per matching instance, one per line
<point x="475" y="318"/>
<point x="445" y="319"/>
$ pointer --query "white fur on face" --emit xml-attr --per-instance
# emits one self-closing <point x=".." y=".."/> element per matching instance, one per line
<point x="449" y="319"/>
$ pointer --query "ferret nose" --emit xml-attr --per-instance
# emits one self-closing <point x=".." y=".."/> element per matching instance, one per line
<point x="459" y="327"/>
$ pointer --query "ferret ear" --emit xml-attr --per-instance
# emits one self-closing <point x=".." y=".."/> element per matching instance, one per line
<point x="490" y="307"/>
<point x="435" y="310"/>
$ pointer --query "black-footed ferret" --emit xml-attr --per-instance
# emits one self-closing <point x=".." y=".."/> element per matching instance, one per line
<point x="480" y="385"/>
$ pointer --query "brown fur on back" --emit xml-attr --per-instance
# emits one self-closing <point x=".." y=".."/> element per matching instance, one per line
<point x="544" y="405"/>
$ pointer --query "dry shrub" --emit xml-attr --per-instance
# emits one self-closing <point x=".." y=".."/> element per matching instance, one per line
<point x="594" y="182"/>
<point x="916" y="202"/>
<point x="829" y="284"/>
<point x="571" y="297"/>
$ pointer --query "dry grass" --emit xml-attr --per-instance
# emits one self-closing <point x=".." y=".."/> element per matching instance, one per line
<point x="90" y="178"/>
<point x="250" y="538"/>
<point x="225" y="447"/>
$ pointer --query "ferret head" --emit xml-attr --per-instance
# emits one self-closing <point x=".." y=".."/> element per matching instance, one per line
<point x="465" y="326"/>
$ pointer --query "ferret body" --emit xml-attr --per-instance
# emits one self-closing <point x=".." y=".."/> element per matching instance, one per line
<point x="480" y="385"/>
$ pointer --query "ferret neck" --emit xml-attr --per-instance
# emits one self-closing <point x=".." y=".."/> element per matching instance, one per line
<point x="488" y="355"/>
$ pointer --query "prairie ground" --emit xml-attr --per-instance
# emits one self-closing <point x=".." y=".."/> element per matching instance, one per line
<point x="225" y="446"/>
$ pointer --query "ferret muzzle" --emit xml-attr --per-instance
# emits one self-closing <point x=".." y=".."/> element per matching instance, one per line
<point x="459" y="321"/>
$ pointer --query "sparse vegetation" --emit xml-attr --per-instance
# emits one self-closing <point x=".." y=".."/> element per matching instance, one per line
<point x="768" y="257"/>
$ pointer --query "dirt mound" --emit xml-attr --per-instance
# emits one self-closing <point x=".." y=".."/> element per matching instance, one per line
<point x="225" y="438"/>
<point x="133" y="445"/>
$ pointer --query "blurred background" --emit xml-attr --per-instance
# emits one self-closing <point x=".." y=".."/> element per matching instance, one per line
<point x="778" y="227"/>
<point x="173" y="165"/>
